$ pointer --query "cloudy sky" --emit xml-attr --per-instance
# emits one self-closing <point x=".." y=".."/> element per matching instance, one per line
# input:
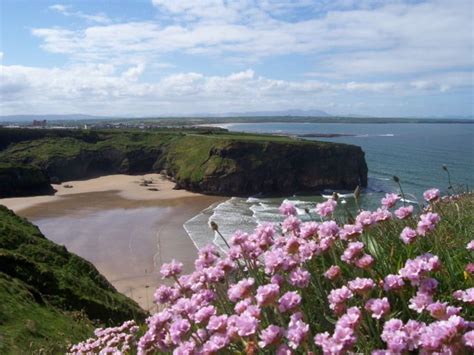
<point x="158" y="57"/>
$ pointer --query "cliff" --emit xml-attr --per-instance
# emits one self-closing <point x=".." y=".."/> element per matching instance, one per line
<point x="23" y="180"/>
<point x="208" y="162"/>
<point x="48" y="295"/>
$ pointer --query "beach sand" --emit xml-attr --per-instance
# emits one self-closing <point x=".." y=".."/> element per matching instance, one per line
<point x="124" y="229"/>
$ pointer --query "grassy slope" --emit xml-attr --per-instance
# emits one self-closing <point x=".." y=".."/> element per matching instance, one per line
<point x="41" y="282"/>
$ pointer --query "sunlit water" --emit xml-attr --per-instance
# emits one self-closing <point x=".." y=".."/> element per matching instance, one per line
<point x="413" y="152"/>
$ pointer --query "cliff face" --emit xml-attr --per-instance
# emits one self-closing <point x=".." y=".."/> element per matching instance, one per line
<point x="23" y="180"/>
<point x="243" y="168"/>
<point x="217" y="163"/>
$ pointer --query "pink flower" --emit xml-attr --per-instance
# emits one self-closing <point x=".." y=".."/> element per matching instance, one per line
<point x="217" y="323"/>
<point x="470" y="245"/>
<point x="203" y="315"/>
<point x="270" y="336"/>
<point x="333" y="273"/>
<point x="240" y="290"/>
<point x="416" y="269"/>
<point x="337" y="298"/>
<point x="267" y="294"/>
<point x="361" y="286"/>
<point x="178" y="330"/>
<point x="466" y="296"/>
<point x="289" y="301"/>
<point x="404" y="212"/>
<point x="350" y="231"/>
<point x="297" y="330"/>
<point x="328" y="229"/>
<point x="172" y="269"/>
<point x="288" y="209"/>
<point x="382" y="214"/>
<point x="326" y="208"/>
<point x="353" y="249"/>
<point x="365" y="219"/>
<point x="420" y="301"/>
<point x="309" y="229"/>
<point x="408" y="235"/>
<point x="364" y="262"/>
<point x="299" y="277"/>
<point x="390" y="200"/>
<point x="378" y="307"/>
<point x="468" y="339"/>
<point x="394" y="335"/>
<point x="291" y="224"/>
<point x="431" y="195"/>
<point x="393" y="283"/>
<point x="427" y="223"/>
<point x="246" y="325"/>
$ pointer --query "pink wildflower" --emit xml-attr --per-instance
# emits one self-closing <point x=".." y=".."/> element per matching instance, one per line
<point x="172" y="269"/>
<point x="291" y="224"/>
<point x="382" y="214"/>
<point x="333" y="273"/>
<point x="420" y="301"/>
<point x="350" y="231"/>
<point x="427" y="223"/>
<point x="289" y="301"/>
<point x="270" y="336"/>
<point x="267" y="294"/>
<point x="364" y="262"/>
<point x="246" y="324"/>
<point x="393" y="283"/>
<point x="378" y="307"/>
<point x="390" y="200"/>
<point x="408" y="235"/>
<point x="431" y="195"/>
<point x="404" y="212"/>
<point x="361" y="286"/>
<point x="288" y="209"/>
<point x="297" y="330"/>
<point x="240" y="290"/>
<point x="309" y="229"/>
<point x="365" y="219"/>
<point x="470" y="245"/>
<point x="299" y="277"/>
<point x="338" y="297"/>
<point x="353" y="250"/>
<point x="326" y="208"/>
<point x="468" y="339"/>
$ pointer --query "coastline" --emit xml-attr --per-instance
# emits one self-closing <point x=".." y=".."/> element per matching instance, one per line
<point x="124" y="229"/>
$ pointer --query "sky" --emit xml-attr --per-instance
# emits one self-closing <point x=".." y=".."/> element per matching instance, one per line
<point x="391" y="58"/>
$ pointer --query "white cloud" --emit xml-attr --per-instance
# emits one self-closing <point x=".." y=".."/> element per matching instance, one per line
<point x="353" y="39"/>
<point x="107" y="89"/>
<point x="64" y="10"/>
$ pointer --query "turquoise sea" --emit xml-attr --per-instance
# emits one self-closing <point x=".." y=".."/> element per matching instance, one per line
<point x="413" y="152"/>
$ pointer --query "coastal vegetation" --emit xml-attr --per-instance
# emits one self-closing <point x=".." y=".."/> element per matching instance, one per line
<point x="208" y="161"/>
<point x="49" y="296"/>
<point x="391" y="281"/>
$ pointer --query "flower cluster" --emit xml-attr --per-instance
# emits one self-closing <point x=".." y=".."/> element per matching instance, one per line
<point x="114" y="340"/>
<point x="305" y="286"/>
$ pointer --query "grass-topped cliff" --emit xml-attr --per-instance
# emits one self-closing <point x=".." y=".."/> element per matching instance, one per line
<point x="205" y="161"/>
<point x="48" y="296"/>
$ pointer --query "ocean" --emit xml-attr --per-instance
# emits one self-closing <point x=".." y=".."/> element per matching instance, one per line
<point x="415" y="153"/>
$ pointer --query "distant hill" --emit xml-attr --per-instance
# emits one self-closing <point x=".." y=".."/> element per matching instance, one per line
<point x="292" y="113"/>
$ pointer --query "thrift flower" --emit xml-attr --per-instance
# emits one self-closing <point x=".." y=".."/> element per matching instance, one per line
<point x="289" y="301"/>
<point x="378" y="307"/>
<point x="404" y="212"/>
<point x="326" y="208"/>
<point x="408" y="235"/>
<point x="333" y="273"/>
<point x="390" y="200"/>
<point x="431" y="195"/>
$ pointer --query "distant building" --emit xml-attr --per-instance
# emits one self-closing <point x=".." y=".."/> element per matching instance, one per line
<point x="40" y="123"/>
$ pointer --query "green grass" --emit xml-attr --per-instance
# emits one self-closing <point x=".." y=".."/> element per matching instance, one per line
<point x="27" y="326"/>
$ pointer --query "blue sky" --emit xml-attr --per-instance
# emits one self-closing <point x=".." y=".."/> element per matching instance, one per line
<point x="159" y="57"/>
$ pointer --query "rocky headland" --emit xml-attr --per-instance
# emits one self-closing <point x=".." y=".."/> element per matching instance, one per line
<point x="208" y="162"/>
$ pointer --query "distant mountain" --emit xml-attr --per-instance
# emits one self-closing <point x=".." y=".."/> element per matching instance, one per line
<point x="292" y="113"/>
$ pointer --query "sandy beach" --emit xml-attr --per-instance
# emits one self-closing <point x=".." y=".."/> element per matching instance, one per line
<point x="126" y="230"/>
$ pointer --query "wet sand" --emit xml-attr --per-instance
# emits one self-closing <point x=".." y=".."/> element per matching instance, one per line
<point x="127" y="233"/>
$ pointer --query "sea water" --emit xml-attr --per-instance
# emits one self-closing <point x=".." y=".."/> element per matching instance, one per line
<point x="414" y="152"/>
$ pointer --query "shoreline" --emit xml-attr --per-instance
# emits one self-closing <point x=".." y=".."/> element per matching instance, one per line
<point x="122" y="228"/>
